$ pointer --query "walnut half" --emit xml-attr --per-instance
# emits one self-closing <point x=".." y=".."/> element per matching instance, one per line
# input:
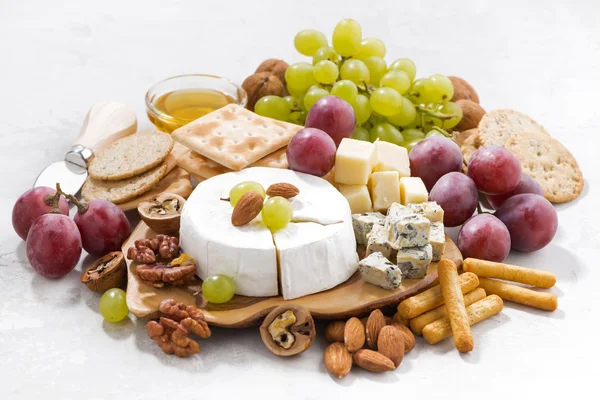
<point x="288" y="330"/>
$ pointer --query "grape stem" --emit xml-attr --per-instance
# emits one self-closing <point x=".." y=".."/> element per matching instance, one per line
<point x="366" y="88"/>
<point x="479" y="209"/>
<point x="82" y="206"/>
<point x="53" y="200"/>
<point x="436" y="114"/>
<point x="443" y="132"/>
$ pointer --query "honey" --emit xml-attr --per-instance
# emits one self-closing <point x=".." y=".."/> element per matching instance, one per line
<point x="180" y="107"/>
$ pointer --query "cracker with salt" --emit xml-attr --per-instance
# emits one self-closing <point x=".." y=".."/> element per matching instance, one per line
<point x="497" y="126"/>
<point x="125" y="189"/>
<point x="131" y="156"/>
<point x="235" y="137"/>
<point x="549" y="163"/>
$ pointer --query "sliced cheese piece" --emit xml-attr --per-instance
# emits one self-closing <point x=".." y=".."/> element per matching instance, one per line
<point x="353" y="162"/>
<point x="437" y="240"/>
<point x="357" y="197"/>
<point x="378" y="242"/>
<point x="363" y="223"/>
<point x="408" y="231"/>
<point x="430" y="210"/>
<point x="414" y="261"/>
<point x="314" y="257"/>
<point x="412" y="190"/>
<point x="391" y="157"/>
<point x="385" y="189"/>
<point x="377" y="270"/>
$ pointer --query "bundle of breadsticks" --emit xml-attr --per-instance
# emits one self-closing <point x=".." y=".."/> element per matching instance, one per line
<point x="461" y="301"/>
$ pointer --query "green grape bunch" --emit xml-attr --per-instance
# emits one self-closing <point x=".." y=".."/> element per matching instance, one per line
<point x="389" y="101"/>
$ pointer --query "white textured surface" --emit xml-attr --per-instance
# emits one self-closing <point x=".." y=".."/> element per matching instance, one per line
<point x="58" y="58"/>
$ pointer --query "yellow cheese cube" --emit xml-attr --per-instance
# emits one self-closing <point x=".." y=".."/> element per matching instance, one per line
<point x="412" y="190"/>
<point x="353" y="162"/>
<point x="357" y="196"/>
<point x="390" y="157"/>
<point x="385" y="189"/>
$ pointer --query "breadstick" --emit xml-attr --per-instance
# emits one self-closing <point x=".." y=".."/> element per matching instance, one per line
<point x="477" y="312"/>
<point x="455" y="306"/>
<point x="431" y="298"/>
<point x="521" y="295"/>
<point x="529" y="276"/>
<point x="417" y="324"/>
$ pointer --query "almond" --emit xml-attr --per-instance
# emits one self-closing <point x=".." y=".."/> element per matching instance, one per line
<point x="409" y="337"/>
<point x="354" y="335"/>
<point x="282" y="189"/>
<point x="375" y="322"/>
<point x="472" y="114"/>
<point x="373" y="361"/>
<point x="334" y="331"/>
<point x="247" y="208"/>
<point x="338" y="359"/>
<point x="391" y="344"/>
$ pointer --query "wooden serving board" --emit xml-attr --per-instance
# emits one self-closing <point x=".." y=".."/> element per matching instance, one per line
<point x="351" y="298"/>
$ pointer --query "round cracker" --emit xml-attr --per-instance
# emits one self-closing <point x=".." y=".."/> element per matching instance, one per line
<point x="549" y="163"/>
<point x="131" y="156"/>
<point x="126" y="189"/>
<point x="469" y="143"/>
<point x="497" y="126"/>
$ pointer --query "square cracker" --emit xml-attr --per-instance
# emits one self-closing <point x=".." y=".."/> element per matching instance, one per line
<point x="235" y="137"/>
<point x="199" y="165"/>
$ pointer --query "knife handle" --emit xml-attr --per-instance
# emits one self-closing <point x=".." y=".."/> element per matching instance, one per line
<point x="105" y="123"/>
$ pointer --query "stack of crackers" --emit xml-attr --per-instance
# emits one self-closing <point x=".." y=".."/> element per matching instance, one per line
<point x="135" y="169"/>
<point x="231" y="139"/>
<point x="542" y="157"/>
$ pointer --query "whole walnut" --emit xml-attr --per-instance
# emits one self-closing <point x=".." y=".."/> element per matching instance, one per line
<point x="275" y="67"/>
<point x="262" y="84"/>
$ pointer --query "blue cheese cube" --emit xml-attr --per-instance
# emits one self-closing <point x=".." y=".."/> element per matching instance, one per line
<point x="408" y="231"/>
<point x="378" y="242"/>
<point x="363" y="223"/>
<point x="378" y="270"/>
<point x="414" y="261"/>
<point x="397" y="210"/>
<point x="437" y="240"/>
<point x="430" y="210"/>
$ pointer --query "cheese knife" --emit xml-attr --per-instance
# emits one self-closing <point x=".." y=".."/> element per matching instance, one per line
<point x="105" y="123"/>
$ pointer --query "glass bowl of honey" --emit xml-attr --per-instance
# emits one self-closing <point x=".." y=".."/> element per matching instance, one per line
<point x="179" y="100"/>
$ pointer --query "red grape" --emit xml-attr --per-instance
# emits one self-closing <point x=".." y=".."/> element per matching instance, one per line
<point x="494" y="170"/>
<point x="31" y="205"/>
<point x="53" y="245"/>
<point x="433" y="158"/>
<point x="103" y="226"/>
<point x="530" y="219"/>
<point x="334" y="116"/>
<point x="485" y="237"/>
<point x="526" y="185"/>
<point x="311" y="151"/>
<point x="457" y="194"/>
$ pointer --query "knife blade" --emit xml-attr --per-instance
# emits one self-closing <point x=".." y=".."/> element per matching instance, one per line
<point x="105" y="123"/>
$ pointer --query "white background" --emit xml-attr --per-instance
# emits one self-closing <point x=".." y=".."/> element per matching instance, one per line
<point x="58" y="58"/>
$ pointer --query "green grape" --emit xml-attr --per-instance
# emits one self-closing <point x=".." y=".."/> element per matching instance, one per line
<point x="326" y="72"/>
<point x="387" y="133"/>
<point x="273" y="107"/>
<point x="397" y="80"/>
<point x="362" y="109"/>
<point x="113" y="305"/>
<point x="406" y="65"/>
<point x="300" y="75"/>
<point x="345" y="90"/>
<point x="407" y="114"/>
<point x="412" y="134"/>
<point x="377" y="68"/>
<point x="313" y="95"/>
<point x="294" y="91"/>
<point x="326" y="53"/>
<point x="248" y="186"/>
<point x="451" y="108"/>
<point x="276" y="213"/>
<point x="377" y="119"/>
<point x="292" y="102"/>
<point x="438" y="89"/>
<point x="434" y="132"/>
<point x="370" y="47"/>
<point x="410" y="145"/>
<point x="298" y="118"/>
<point x="308" y="41"/>
<point x="361" y="133"/>
<point x="417" y="91"/>
<point x="355" y="71"/>
<point x="386" y="101"/>
<point x="346" y="38"/>
<point x="218" y="288"/>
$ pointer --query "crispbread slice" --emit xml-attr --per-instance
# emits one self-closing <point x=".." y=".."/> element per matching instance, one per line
<point x="199" y="165"/>
<point x="125" y="189"/>
<point x="549" y="163"/>
<point x="131" y="156"/>
<point x="497" y="126"/>
<point x="470" y="142"/>
<point x="235" y="137"/>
